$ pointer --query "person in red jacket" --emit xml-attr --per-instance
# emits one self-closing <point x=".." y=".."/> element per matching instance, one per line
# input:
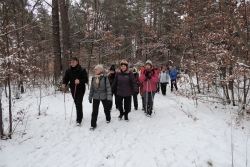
<point x="149" y="79"/>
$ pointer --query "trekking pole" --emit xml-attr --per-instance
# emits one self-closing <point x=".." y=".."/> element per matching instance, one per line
<point x="146" y="99"/>
<point x="64" y="106"/>
<point x="152" y="97"/>
<point x="73" y="104"/>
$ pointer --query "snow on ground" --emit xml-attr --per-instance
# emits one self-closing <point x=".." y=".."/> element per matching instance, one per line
<point x="170" y="138"/>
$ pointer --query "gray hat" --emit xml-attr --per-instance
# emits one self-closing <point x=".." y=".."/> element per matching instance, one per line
<point x="99" y="67"/>
<point x="149" y="62"/>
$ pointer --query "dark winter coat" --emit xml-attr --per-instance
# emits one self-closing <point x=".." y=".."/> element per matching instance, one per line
<point x="125" y="84"/>
<point x="111" y="78"/>
<point x="74" y="73"/>
<point x="102" y="92"/>
<point x="136" y="75"/>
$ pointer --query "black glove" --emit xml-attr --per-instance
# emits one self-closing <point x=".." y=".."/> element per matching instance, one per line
<point x="90" y="101"/>
<point x="149" y="77"/>
<point x="109" y="102"/>
<point x="136" y="93"/>
<point x="146" y="72"/>
<point x="167" y="82"/>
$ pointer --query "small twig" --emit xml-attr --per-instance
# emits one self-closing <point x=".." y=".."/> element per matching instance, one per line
<point x="27" y="139"/>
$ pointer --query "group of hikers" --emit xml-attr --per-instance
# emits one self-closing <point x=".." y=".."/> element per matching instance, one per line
<point x="123" y="84"/>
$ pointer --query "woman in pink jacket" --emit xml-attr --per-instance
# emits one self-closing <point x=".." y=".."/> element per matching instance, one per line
<point x="149" y="79"/>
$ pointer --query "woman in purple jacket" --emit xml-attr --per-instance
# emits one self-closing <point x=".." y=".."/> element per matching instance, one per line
<point x="125" y="86"/>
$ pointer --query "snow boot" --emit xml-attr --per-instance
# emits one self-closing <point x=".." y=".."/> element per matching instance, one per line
<point x="92" y="128"/>
<point x="126" y="117"/>
<point x="121" y="115"/>
<point x="149" y="112"/>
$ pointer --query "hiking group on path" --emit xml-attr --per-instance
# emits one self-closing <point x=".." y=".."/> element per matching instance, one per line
<point x="123" y="84"/>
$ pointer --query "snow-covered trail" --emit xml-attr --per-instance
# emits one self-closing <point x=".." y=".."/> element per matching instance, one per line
<point x="169" y="139"/>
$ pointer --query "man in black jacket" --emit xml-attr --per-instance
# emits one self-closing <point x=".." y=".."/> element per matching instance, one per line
<point x="77" y="76"/>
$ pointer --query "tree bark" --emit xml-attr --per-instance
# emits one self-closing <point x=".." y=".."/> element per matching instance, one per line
<point x="66" y="47"/>
<point x="56" y="42"/>
<point x="1" y="116"/>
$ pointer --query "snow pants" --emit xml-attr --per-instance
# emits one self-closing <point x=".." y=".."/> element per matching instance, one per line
<point x="95" y="111"/>
<point x="78" y="103"/>
<point x="127" y="104"/>
<point x="149" y="101"/>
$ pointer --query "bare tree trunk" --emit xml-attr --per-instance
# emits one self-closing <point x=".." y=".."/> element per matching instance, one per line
<point x="67" y="53"/>
<point x="1" y="116"/>
<point x="20" y="71"/>
<point x="7" y="53"/>
<point x="10" y="110"/>
<point x="56" y="42"/>
<point x="225" y="87"/>
<point x="231" y="85"/>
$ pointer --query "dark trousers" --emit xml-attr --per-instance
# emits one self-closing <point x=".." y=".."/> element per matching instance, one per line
<point x="127" y="104"/>
<point x="135" y="101"/>
<point x="116" y="105"/>
<point x="149" y="101"/>
<point x="173" y="83"/>
<point x="78" y="103"/>
<point x="158" y="87"/>
<point x="95" y="111"/>
<point x="143" y="103"/>
<point x="163" y="88"/>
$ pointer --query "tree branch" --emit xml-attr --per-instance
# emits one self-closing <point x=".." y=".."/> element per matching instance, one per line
<point x="244" y="40"/>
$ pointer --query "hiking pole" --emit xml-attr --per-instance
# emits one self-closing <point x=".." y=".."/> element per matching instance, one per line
<point x="152" y="97"/>
<point x="64" y="106"/>
<point x="147" y="99"/>
<point x="73" y="104"/>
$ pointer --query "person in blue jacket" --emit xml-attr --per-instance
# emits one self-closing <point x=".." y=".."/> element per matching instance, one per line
<point x="173" y="72"/>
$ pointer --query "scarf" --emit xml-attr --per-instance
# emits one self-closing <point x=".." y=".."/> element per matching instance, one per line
<point x="97" y="80"/>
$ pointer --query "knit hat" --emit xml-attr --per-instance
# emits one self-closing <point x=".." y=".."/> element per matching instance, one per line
<point x="112" y="68"/>
<point x="99" y="67"/>
<point x="149" y="62"/>
<point x="74" y="58"/>
<point x="124" y="62"/>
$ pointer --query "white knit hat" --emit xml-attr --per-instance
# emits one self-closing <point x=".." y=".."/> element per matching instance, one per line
<point x="99" y="67"/>
<point x="149" y="62"/>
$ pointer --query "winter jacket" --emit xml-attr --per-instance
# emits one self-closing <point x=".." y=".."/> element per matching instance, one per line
<point x="173" y="74"/>
<point x="136" y="75"/>
<point x="164" y="77"/>
<point x="74" y="73"/>
<point x="102" y="92"/>
<point x="125" y="84"/>
<point x="111" y="78"/>
<point x="149" y="84"/>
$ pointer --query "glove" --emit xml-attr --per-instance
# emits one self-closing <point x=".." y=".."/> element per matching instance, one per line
<point x="109" y="102"/>
<point x="90" y="101"/>
<point x="149" y="77"/>
<point x="167" y="82"/>
<point x="136" y="93"/>
<point x="146" y="72"/>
